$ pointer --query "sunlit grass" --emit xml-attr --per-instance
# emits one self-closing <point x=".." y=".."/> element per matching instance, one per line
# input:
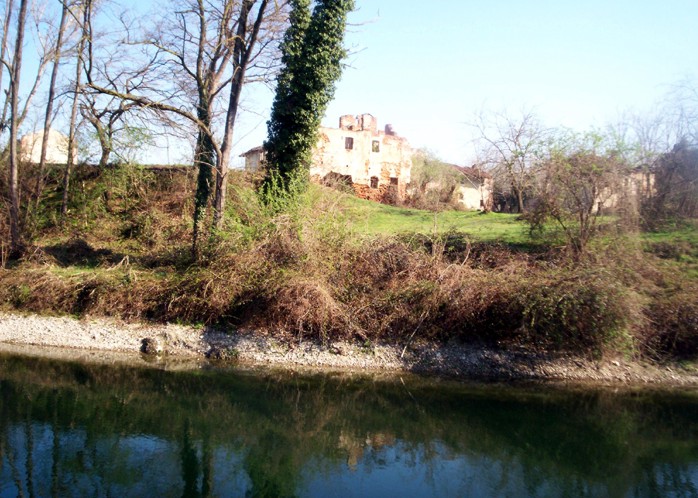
<point x="379" y="219"/>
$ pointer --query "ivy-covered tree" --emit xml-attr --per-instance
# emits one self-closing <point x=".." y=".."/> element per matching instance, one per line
<point x="312" y="53"/>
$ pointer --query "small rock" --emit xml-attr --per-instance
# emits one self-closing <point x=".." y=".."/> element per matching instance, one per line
<point x="222" y="354"/>
<point x="151" y="346"/>
<point x="336" y="350"/>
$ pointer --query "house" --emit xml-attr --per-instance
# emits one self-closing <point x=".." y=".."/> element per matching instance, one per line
<point x="442" y="183"/>
<point x="475" y="191"/>
<point x="56" y="151"/>
<point x="254" y="158"/>
<point x="375" y="163"/>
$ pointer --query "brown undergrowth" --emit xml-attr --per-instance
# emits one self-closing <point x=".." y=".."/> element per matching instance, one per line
<point x="295" y="267"/>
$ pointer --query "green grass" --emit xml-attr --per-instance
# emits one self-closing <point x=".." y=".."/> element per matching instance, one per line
<point x="687" y="233"/>
<point x="677" y="246"/>
<point x="380" y="219"/>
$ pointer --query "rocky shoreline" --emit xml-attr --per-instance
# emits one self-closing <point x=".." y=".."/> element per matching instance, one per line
<point x="176" y="346"/>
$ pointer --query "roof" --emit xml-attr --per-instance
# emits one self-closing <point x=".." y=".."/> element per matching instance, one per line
<point x="254" y="150"/>
<point x="472" y="172"/>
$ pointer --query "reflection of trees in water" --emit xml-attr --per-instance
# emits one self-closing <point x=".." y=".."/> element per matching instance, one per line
<point x="183" y="433"/>
<point x="190" y="464"/>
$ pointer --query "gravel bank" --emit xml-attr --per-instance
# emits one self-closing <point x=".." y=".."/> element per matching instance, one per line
<point x="189" y="347"/>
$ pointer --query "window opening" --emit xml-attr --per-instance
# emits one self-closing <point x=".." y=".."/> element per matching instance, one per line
<point x="374" y="182"/>
<point x="348" y="143"/>
<point x="375" y="146"/>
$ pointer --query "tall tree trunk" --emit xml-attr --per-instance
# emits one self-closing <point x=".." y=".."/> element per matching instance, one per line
<point x="104" y="157"/>
<point x="104" y="136"/>
<point x="204" y="155"/>
<point x="519" y="199"/>
<point x="15" y="232"/>
<point x="49" y="105"/>
<point x="241" y="56"/>
<point x="74" y="112"/>
<point x="3" y="48"/>
<point x="206" y="160"/>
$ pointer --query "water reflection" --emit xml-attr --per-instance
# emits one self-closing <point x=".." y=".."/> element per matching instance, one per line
<point x="78" y="430"/>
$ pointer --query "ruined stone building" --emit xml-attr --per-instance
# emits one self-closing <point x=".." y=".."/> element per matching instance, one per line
<point x="375" y="163"/>
<point x="468" y="188"/>
<point x="628" y="191"/>
<point x="254" y="158"/>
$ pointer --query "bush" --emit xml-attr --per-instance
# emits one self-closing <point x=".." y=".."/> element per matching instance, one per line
<point x="584" y="310"/>
<point x="673" y="331"/>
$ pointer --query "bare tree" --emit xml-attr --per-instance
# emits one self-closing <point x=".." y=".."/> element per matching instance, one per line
<point x="243" y="47"/>
<point x="682" y="107"/>
<point x="107" y="113"/>
<point x="20" y="22"/>
<point x="581" y="176"/>
<point x="7" y="61"/>
<point x="208" y="46"/>
<point x="510" y="147"/>
<point x="48" y="117"/>
<point x="107" y="120"/>
<point x="15" y="73"/>
<point x="81" y="10"/>
<point x="3" y="51"/>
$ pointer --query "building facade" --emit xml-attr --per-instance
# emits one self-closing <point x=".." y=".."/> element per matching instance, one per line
<point x="475" y="191"/>
<point x="376" y="163"/>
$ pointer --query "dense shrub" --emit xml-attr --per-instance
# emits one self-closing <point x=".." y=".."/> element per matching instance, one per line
<point x="673" y="328"/>
<point x="585" y="310"/>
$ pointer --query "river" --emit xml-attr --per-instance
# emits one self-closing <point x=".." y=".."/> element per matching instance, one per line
<point x="70" y="429"/>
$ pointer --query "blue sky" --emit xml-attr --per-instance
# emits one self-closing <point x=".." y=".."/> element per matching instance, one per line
<point x="428" y="67"/>
<point x="427" y="70"/>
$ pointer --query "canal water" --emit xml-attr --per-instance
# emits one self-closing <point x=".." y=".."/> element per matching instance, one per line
<point x="70" y="429"/>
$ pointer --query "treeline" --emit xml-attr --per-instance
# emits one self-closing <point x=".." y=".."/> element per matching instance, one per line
<point x="181" y="71"/>
<point x="643" y="171"/>
<point x="651" y="154"/>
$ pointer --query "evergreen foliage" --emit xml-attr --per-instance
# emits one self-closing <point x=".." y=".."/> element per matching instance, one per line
<point x="312" y="52"/>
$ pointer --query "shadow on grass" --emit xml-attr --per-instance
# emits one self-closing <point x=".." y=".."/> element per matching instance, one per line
<point x="78" y="252"/>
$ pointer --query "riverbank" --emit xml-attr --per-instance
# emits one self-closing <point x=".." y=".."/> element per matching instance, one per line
<point x="303" y="267"/>
<point x="175" y="346"/>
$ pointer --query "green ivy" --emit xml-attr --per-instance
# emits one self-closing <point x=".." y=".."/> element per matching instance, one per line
<point x="312" y="52"/>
